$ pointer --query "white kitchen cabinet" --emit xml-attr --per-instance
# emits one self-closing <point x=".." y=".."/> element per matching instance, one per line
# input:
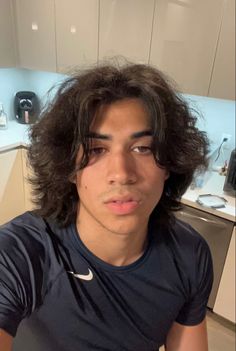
<point x="184" y="41"/>
<point x="223" y="77"/>
<point x="76" y="33"/>
<point x="36" y="34"/>
<point x="11" y="185"/>
<point x="125" y="29"/>
<point x="7" y="35"/>
<point x="225" y="300"/>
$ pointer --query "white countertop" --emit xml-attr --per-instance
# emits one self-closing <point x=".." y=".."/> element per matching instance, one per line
<point x="17" y="136"/>
<point x="213" y="186"/>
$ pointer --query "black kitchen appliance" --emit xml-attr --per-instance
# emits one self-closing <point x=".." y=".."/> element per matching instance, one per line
<point x="26" y="107"/>
<point x="230" y="180"/>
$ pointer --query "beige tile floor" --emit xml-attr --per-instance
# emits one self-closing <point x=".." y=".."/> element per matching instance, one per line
<point x="221" y="334"/>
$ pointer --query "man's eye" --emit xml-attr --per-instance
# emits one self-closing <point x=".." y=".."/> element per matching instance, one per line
<point x="142" y="149"/>
<point x="94" y="151"/>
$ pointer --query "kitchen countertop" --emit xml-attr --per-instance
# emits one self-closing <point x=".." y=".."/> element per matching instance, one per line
<point x="17" y="136"/>
<point x="213" y="186"/>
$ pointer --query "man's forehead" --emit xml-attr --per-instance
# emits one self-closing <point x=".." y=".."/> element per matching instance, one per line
<point x="131" y="106"/>
<point x="135" y="135"/>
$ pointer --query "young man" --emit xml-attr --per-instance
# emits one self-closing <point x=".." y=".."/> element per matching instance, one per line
<point x="102" y="264"/>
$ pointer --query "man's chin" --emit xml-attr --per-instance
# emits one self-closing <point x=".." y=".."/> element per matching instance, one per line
<point x="127" y="227"/>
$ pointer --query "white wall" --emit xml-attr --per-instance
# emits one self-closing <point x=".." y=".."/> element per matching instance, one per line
<point x="218" y="118"/>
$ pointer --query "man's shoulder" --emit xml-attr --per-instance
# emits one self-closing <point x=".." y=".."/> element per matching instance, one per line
<point x="183" y="250"/>
<point x="187" y="244"/>
<point x="185" y="233"/>
<point x="182" y="240"/>
<point x="29" y="217"/>
<point x="26" y="227"/>
<point x="34" y="233"/>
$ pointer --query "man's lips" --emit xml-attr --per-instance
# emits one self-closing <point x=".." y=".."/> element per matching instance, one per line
<point x="122" y="205"/>
<point x="122" y="199"/>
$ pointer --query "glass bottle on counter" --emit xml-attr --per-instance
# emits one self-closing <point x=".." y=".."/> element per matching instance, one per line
<point x="3" y="118"/>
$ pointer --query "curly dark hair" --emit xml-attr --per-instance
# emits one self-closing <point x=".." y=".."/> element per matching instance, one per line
<point x="64" y="126"/>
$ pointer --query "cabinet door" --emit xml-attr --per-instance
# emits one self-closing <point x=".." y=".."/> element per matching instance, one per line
<point x="184" y="41"/>
<point x="125" y="29"/>
<point x="225" y="299"/>
<point x="36" y="34"/>
<point x="7" y="37"/>
<point x="11" y="185"/>
<point x="223" y="77"/>
<point x="27" y="187"/>
<point x="76" y="33"/>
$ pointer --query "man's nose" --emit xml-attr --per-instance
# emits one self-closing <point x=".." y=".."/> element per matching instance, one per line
<point x="121" y="169"/>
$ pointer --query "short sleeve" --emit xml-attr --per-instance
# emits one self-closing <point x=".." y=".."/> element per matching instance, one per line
<point x="20" y="274"/>
<point x="194" y="310"/>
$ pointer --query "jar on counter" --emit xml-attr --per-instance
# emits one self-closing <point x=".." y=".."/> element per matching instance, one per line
<point x="3" y="118"/>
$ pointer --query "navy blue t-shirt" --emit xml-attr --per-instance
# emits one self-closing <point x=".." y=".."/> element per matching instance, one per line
<point x="56" y="295"/>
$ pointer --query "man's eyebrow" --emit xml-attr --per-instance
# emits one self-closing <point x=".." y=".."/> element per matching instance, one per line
<point x="136" y="135"/>
<point x="141" y="134"/>
<point x="95" y="135"/>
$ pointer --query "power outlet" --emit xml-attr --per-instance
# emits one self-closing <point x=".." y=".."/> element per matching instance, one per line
<point x="225" y="144"/>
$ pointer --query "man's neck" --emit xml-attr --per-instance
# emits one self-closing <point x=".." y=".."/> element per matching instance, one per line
<point x="115" y="249"/>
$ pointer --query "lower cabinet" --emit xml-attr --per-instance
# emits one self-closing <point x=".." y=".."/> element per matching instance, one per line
<point x="27" y="187"/>
<point x="12" y="198"/>
<point x="15" y="191"/>
<point x="225" y="299"/>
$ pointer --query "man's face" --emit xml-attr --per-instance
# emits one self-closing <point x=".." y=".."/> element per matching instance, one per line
<point x="122" y="183"/>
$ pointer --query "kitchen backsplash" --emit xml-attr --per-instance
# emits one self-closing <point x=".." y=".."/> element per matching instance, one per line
<point x="218" y="116"/>
<point x="13" y="80"/>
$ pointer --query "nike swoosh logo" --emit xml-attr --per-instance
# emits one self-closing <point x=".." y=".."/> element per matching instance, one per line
<point x="88" y="276"/>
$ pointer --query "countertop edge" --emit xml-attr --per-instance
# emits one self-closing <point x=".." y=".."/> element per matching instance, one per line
<point x="215" y="212"/>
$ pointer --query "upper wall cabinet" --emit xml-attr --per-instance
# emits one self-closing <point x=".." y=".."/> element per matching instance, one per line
<point x="184" y="41"/>
<point x="193" y="41"/>
<point x="125" y="29"/>
<point x="223" y="77"/>
<point x="76" y="33"/>
<point x="36" y="34"/>
<point x="7" y="35"/>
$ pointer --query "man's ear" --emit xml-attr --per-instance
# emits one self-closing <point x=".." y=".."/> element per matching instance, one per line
<point x="167" y="174"/>
<point x="72" y="178"/>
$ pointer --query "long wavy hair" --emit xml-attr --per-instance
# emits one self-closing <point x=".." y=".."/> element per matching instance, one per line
<point x="64" y="126"/>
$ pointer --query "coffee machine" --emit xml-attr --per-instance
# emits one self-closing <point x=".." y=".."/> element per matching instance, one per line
<point x="230" y="180"/>
<point x="26" y="107"/>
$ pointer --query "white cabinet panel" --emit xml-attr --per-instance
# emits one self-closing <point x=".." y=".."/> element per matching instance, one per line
<point x="36" y="34"/>
<point x="11" y="185"/>
<point x="76" y="33"/>
<point x="223" y="78"/>
<point x="225" y="299"/>
<point x="184" y="41"/>
<point x="7" y="35"/>
<point x="125" y="29"/>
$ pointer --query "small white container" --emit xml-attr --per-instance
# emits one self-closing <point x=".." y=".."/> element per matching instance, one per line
<point x="3" y="118"/>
